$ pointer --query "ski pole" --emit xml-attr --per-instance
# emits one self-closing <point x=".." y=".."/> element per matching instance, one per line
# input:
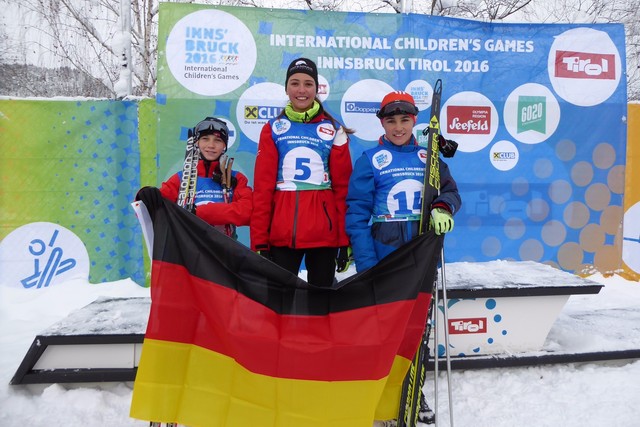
<point x="445" y="313"/>
<point x="436" y="356"/>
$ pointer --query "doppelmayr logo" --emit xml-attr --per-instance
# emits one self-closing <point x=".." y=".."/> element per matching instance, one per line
<point x="361" y="107"/>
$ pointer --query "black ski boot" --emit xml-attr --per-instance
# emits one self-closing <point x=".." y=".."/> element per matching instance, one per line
<point x="426" y="415"/>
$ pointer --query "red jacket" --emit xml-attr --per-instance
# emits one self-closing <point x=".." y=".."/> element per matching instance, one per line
<point x="299" y="219"/>
<point x="236" y="212"/>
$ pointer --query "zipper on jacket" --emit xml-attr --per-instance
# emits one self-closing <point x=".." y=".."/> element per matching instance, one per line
<point x="324" y="208"/>
<point x="295" y="221"/>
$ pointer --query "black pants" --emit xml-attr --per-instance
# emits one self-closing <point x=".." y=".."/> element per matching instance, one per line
<point x="320" y="262"/>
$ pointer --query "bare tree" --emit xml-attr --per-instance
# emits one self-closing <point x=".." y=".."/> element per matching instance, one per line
<point x="84" y="35"/>
<point x="488" y="10"/>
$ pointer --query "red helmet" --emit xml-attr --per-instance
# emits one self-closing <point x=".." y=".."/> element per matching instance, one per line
<point x="397" y="102"/>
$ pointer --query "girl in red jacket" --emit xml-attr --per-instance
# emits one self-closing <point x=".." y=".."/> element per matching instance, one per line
<point x="212" y="136"/>
<point x="300" y="183"/>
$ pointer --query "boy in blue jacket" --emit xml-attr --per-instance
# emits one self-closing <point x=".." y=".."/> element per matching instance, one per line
<point x="385" y="192"/>
<point x="385" y="189"/>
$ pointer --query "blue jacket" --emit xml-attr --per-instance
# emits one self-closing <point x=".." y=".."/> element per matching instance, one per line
<point x="380" y="199"/>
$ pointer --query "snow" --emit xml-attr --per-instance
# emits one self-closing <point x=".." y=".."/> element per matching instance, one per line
<point x="571" y="395"/>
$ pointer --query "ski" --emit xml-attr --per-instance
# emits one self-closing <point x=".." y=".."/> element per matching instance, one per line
<point x="187" y="191"/>
<point x="431" y="188"/>
<point x="409" y="408"/>
<point x="186" y="198"/>
<point x="225" y="169"/>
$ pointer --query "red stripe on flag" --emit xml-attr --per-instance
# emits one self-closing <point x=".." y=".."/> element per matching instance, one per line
<point x="358" y="344"/>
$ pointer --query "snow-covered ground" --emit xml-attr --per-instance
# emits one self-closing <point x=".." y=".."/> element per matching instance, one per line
<point x="574" y="395"/>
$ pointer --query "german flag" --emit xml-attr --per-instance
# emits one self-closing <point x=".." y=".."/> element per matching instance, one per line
<point x="235" y="340"/>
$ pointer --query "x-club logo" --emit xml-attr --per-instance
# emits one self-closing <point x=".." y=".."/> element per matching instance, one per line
<point x="583" y="65"/>
<point x="504" y="155"/>
<point x="476" y="325"/>
<point x="468" y="120"/>
<point x="47" y="263"/>
<point x="257" y="112"/>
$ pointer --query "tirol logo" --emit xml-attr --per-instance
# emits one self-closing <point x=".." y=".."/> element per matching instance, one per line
<point x="469" y="120"/>
<point x="477" y="325"/>
<point x="361" y="107"/>
<point x="532" y="114"/>
<point x="261" y="112"/>
<point x="583" y="65"/>
<point x="326" y="132"/>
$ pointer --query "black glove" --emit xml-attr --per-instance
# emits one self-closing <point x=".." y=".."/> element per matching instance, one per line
<point x="343" y="259"/>
<point x="448" y="147"/>
<point x="151" y="197"/>
<point x="263" y="250"/>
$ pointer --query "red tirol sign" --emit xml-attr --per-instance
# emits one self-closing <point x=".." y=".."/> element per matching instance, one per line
<point x="473" y="325"/>
<point x="584" y="65"/>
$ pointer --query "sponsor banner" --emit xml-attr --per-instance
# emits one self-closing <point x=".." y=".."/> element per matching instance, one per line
<point x="538" y="111"/>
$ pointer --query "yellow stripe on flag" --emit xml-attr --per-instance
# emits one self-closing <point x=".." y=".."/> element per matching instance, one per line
<point x="194" y="386"/>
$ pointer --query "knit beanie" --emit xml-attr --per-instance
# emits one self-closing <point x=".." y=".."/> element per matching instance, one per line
<point x="305" y="66"/>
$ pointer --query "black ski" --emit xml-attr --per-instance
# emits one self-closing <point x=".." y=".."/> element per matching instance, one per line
<point x="414" y="381"/>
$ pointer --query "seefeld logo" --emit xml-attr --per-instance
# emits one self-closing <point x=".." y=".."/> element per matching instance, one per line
<point x="475" y="120"/>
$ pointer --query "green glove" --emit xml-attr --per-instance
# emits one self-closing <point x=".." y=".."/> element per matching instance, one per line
<point x="441" y="221"/>
<point x="343" y="259"/>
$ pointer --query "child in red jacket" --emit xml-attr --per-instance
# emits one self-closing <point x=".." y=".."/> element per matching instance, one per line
<point x="300" y="183"/>
<point x="225" y="212"/>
